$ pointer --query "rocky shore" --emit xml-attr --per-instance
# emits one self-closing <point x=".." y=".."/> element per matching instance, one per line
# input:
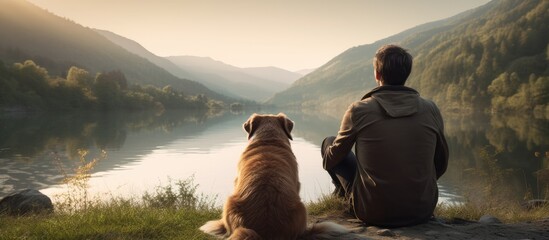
<point x="486" y="228"/>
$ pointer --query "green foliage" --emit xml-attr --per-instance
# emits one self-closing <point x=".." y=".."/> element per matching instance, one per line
<point x="511" y="93"/>
<point x="28" y="86"/>
<point x="79" y="77"/>
<point x="107" y="89"/>
<point x="485" y="57"/>
<point x="181" y="195"/>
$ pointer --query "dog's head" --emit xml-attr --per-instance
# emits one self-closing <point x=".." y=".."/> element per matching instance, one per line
<point x="256" y="121"/>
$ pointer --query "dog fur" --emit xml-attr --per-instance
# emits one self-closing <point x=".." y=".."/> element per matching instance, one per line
<point x="265" y="203"/>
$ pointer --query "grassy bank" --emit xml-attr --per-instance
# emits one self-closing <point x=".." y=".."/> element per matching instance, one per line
<point x="505" y="211"/>
<point x="119" y="220"/>
<point x="174" y="211"/>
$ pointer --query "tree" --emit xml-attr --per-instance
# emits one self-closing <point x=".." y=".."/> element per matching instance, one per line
<point x="107" y="89"/>
<point x="31" y="77"/>
<point x="79" y="77"/>
<point x="504" y="85"/>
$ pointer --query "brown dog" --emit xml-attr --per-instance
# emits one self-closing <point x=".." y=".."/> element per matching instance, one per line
<point x="265" y="203"/>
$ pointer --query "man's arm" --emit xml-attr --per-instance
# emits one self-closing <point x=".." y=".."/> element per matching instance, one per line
<point x="343" y="143"/>
<point x="441" y="155"/>
<point x="441" y="152"/>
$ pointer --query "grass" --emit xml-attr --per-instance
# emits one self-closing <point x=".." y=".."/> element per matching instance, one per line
<point x="507" y="213"/>
<point x="172" y="212"/>
<point x="118" y="220"/>
<point x="327" y="205"/>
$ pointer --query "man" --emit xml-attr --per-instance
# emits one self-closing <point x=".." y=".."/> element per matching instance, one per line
<point x="400" y="148"/>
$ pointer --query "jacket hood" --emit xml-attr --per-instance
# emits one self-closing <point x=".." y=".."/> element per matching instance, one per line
<point x="397" y="101"/>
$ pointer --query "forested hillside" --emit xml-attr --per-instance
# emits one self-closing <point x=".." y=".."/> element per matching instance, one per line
<point x="27" y="86"/>
<point x="498" y="60"/>
<point x="29" y="32"/>
<point x="494" y="58"/>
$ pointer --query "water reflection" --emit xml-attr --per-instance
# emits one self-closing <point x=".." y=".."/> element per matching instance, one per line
<point x="35" y="150"/>
<point x="492" y="157"/>
<point x="497" y="157"/>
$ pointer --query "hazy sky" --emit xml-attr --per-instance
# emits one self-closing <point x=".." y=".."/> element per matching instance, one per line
<point x="291" y="34"/>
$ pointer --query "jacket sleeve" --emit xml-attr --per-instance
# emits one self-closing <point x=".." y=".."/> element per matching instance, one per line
<point x="441" y="156"/>
<point x="343" y="143"/>
<point x="441" y="152"/>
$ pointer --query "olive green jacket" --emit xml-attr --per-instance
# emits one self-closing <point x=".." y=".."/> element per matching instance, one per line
<point x="401" y="151"/>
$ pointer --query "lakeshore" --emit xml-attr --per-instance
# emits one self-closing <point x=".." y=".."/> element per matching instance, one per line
<point x="177" y="211"/>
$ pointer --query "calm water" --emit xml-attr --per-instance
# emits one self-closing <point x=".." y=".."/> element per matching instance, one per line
<point x="491" y="157"/>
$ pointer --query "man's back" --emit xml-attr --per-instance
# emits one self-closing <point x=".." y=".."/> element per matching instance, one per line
<point x="397" y="135"/>
<point x="400" y="148"/>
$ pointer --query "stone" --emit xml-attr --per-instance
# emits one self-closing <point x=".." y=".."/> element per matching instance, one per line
<point x="28" y="201"/>
<point x="432" y="233"/>
<point x="385" y="233"/>
<point x="357" y="229"/>
<point x="354" y="220"/>
<point x="488" y="219"/>
<point x="372" y="228"/>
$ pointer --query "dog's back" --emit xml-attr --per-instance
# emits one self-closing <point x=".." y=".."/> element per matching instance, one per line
<point x="265" y="203"/>
<point x="266" y="196"/>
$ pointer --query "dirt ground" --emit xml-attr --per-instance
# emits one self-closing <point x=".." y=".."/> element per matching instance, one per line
<point x="443" y="229"/>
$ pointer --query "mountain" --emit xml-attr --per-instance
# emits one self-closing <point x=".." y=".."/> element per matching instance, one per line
<point x="491" y="57"/>
<point x="252" y="83"/>
<point x="305" y="71"/>
<point x="274" y="74"/>
<point x="136" y="48"/>
<point x="29" y="32"/>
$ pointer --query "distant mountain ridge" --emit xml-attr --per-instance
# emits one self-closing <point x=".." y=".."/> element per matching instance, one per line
<point x="250" y="83"/>
<point x="29" y="32"/>
<point x="456" y="60"/>
<point x="136" y="48"/>
<point x="306" y="71"/>
<point x="274" y="74"/>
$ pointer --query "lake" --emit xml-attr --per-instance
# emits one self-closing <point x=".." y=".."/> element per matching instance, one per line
<point x="491" y="158"/>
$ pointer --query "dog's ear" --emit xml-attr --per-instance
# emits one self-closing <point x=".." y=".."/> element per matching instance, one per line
<point x="249" y="126"/>
<point x="287" y="124"/>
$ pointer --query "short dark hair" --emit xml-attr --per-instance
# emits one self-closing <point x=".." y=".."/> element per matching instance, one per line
<point x="393" y="63"/>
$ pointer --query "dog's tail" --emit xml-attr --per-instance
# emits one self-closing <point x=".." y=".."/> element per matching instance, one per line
<point x="215" y="228"/>
<point x="241" y="233"/>
<point x="324" y="230"/>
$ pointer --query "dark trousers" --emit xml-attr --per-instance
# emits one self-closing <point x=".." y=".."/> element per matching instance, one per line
<point x="343" y="174"/>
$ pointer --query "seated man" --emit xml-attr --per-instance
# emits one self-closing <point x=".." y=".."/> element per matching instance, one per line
<point x="400" y="148"/>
